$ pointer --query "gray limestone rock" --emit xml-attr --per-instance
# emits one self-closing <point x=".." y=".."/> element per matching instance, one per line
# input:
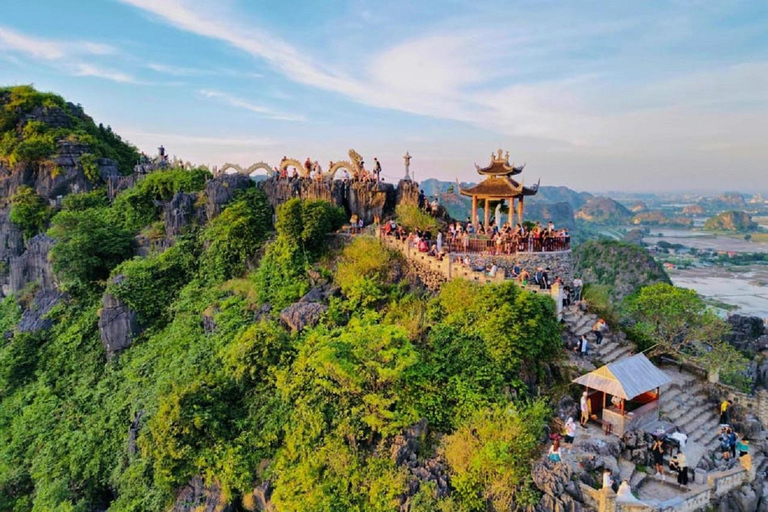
<point x="198" y="496"/>
<point x="179" y="212"/>
<point x="221" y="189"/>
<point x="33" y="266"/>
<point x="34" y="317"/>
<point x="302" y="314"/>
<point x="118" y="324"/>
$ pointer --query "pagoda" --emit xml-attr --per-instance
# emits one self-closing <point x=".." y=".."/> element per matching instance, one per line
<point x="499" y="186"/>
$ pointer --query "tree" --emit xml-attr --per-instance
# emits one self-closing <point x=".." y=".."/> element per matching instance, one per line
<point x="490" y="454"/>
<point x="29" y="211"/>
<point x="233" y="237"/>
<point x="88" y="246"/>
<point x="671" y="320"/>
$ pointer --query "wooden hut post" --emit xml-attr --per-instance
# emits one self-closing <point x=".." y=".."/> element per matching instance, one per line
<point x="486" y="215"/>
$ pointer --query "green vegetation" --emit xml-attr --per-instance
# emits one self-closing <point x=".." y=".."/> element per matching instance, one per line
<point x="135" y="208"/>
<point x="620" y="267"/>
<point x="670" y="320"/>
<point x="237" y="399"/>
<point x="29" y="211"/>
<point x="413" y="217"/>
<point x="88" y="246"/>
<point x="28" y="136"/>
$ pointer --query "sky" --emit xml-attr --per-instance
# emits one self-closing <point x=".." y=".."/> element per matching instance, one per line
<point x="622" y="95"/>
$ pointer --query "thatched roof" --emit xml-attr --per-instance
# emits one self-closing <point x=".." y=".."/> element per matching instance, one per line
<point x="626" y="379"/>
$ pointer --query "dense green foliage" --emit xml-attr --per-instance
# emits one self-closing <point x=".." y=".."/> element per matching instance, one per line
<point x="301" y="229"/>
<point x="233" y="237"/>
<point x="136" y="207"/>
<point x="412" y="217"/>
<point x="247" y="400"/>
<point x="670" y="320"/>
<point x="29" y="211"/>
<point x="621" y="267"/>
<point x="27" y="137"/>
<point x="88" y="245"/>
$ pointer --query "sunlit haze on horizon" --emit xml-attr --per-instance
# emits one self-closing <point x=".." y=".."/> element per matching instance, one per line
<point x="627" y="96"/>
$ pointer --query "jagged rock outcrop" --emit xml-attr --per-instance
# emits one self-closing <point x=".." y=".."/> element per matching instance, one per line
<point x="179" y="213"/>
<point x="197" y="496"/>
<point x="221" y="189"/>
<point x="559" y="493"/>
<point x="748" y="333"/>
<point x="369" y="200"/>
<point x="404" y="451"/>
<point x="33" y="265"/>
<point x="407" y="193"/>
<point x="302" y="314"/>
<point x="34" y="317"/>
<point x="281" y="190"/>
<point x="118" y="324"/>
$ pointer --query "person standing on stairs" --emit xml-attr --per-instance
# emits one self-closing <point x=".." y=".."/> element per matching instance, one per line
<point x="658" y="457"/>
<point x="598" y="330"/>
<point x="725" y="412"/>
<point x="583" y="346"/>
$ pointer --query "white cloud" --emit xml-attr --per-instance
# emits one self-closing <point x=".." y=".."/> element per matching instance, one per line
<point x="65" y="55"/>
<point x="48" y="49"/>
<point x="84" y="69"/>
<point x="249" y="106"/>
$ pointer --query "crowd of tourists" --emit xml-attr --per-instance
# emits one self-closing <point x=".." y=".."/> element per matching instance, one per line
<point x="441" y="247"/>
<point x="506" y="239"/>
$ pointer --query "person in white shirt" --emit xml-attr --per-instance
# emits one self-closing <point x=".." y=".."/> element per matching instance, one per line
<point x="584" y="407"/>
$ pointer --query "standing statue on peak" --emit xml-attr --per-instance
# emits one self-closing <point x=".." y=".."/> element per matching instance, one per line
<point x="407" y="158"/>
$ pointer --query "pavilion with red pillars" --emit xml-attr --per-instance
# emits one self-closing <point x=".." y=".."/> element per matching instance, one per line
<point x="499" y="186"/>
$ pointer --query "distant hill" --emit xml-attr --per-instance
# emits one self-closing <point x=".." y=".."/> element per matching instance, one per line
<point x="657" y="218"/>
<point x="559" y="210"/>
<point x="603" y="210"/>
<point x="736" y="221"/>
<point x="621" y="267"/>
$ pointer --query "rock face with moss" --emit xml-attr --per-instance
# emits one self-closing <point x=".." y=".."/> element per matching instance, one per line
<point x="732" y="220"/>
<point x="53" y="148"/>
<point x="620" y="266"/>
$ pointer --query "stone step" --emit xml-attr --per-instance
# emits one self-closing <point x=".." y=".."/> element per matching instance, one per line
<point x="705" y="421"/>
<point x="685" y="417"/>
<point x="618" y="353"/>
<point x="637" y="478"/>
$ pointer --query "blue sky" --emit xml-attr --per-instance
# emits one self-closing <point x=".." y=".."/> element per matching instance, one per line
<point x="592" y="95"/>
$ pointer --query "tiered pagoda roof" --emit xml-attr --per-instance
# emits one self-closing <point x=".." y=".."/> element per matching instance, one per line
<point x="498" y="184"/>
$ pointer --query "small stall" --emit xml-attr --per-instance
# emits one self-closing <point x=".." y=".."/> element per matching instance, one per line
<point x="624" y="395"/>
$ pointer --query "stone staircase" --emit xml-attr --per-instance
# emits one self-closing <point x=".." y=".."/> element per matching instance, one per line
<point x="613" y="347"/>
<point x="684" y="403"/>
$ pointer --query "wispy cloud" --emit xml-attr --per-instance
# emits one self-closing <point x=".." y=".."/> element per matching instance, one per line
<point x="84" y="69"/>
<point x="249" y="106"/>
<point x="47" y="49"/>
<point x="70" y="56"/>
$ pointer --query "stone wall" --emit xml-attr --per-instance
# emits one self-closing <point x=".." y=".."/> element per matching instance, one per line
<point x="433" y="272"/>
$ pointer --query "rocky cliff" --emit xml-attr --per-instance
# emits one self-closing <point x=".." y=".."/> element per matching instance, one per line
<point x="620" y="266"/>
